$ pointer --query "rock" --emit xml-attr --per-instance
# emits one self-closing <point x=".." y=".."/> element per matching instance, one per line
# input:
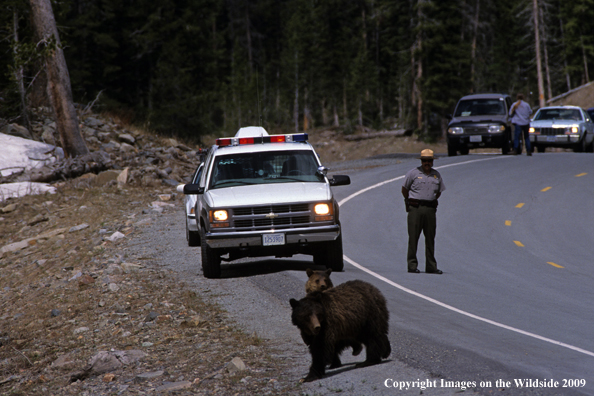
<point x="122" y="177"/>
<point x="127" y="148"/>
<point x="9" y="208"/>
<point x="151" y="316"/>
<point x="174" y="386"/>
<point x="114" y="269"/>
<point x="79" y="227"/>
<point x="235" y="365"/>
<point x="55" y="312"/>
<point x="115" y="236"/>
<point x="63" y="362"/>
<point x="105" y="177"/>
<point x="126" y="138"/>
<point x="16" y="130"/>
<point x="113" y="287"/>
<point x="85" y="280"/>
<point x="129" y="267"/>
<point x="109" y="377"/>
<point x="148" y="376"/>
<point x="193" y="321"/>
<point x="81" y="330"/>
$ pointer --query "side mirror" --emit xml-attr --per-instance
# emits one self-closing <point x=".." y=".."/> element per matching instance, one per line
<point x="340" y="180"/>
<point x="322" y="170"/>
<point x="449" y="117"/>
<point x="189" y="189"/>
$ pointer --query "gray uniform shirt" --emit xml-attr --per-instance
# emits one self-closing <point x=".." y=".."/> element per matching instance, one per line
<point x="422" y="186"/>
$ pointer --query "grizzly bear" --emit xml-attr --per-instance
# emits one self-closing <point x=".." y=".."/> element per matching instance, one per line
<point x="332" y="319"/>
<point x="318" y="280"/>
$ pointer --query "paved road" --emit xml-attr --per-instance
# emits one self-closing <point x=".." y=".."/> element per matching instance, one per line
<point x="514" y="302"/>
<point x="515" y="242"/>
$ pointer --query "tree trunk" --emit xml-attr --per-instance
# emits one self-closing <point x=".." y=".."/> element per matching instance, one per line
<point x="58" y="80"/>
<point x="535" y="14"/>
<point x="473" y="47"/>
<point x="19" y="74"/>
<point x="585" y="60"/>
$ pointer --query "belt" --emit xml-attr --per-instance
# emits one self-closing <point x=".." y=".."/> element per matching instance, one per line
<point x="416" y="202"/>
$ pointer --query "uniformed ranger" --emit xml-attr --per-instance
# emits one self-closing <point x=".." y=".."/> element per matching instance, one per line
<point x="421" y="188"/>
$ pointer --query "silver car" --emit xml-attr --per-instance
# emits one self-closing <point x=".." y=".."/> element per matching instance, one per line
<point x="562" y="126"/>
<point x="192" y="231"/>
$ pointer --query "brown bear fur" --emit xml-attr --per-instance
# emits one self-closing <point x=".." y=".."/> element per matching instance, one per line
<point x="330" y="320"/>
<point x="318" y="280"/>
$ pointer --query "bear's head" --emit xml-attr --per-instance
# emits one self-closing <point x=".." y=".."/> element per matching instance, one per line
<point x="308" y="314"/>
<point x="318" y="280"/>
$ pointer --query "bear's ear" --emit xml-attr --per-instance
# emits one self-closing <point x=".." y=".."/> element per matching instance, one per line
<point x="294" y="303"/>
<point x="309" y="272"/>
<point x="328" y="271"/>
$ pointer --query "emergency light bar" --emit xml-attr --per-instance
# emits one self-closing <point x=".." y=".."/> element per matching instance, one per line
<point x="293" y="138"/>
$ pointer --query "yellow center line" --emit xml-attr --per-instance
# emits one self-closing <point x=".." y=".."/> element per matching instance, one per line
<point x="581" y="174"/>
<point x="507" y="222"/>
<point x="546" y="189"/>
<point x="518" y="243"/>
<point x="555" y="265"/>
<point x="519" y="205"/>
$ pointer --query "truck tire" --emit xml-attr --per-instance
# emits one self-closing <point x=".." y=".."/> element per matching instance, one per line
<point x="452" y="151"/>
<point x="330" y="255"/>
<point x="211" y="261"/>
<point x="193" y="237"/>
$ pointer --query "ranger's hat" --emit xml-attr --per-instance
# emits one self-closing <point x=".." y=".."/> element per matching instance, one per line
<point x="427" y="154"/>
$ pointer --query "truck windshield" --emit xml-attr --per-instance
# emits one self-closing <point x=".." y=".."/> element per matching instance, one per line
<point x="479" y="107"/>
<point x="263" y="168"/>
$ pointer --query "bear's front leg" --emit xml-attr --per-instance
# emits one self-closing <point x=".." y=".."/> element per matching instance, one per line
<point x="318" y="361"/>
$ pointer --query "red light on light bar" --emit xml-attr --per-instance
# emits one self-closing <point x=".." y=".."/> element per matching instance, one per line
<point x="223" y="142"/>
<point x="249" y="140"/>
<point x="277" y="139"/>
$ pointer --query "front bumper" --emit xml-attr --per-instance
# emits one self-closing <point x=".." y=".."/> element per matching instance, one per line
<point x="555" y="140"/>
<point x="491" y="140"/>
<point x="294" y="236"/>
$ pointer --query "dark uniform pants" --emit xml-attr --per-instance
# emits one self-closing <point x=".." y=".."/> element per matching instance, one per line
<point x="421" y="219"/>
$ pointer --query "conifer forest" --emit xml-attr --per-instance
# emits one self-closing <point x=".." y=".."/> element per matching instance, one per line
<point x="193" y="67"/>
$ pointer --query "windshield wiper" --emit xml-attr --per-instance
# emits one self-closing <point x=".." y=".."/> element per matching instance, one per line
<point x="232" y="181"/>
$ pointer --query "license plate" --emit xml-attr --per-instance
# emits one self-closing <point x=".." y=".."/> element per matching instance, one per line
<point x="273" y="239"/>
<point x="476" y="138"/>
<point x="551" y="138"/>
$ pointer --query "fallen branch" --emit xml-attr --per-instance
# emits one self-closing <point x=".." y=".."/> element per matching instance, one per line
<point x="365" y="136"/>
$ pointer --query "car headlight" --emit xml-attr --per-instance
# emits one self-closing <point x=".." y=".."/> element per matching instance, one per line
<point x="219" y="218"/>
<point x="531" y="130"/>
<point x="456" y="130"/>
<point x="575" y="129"/>
<point x="496" y="128"/>
<point x="323" y="212"/>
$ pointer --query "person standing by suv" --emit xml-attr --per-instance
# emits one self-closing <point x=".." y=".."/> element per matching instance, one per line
<point x="520" y="113"/>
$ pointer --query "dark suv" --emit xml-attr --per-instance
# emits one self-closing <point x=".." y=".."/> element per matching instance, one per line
<point x="480" y="121"/>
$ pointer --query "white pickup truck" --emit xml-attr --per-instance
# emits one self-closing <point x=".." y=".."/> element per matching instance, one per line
<point x="266" y="195"/>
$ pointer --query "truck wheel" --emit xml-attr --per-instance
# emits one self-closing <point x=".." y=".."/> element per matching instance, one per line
<point x="193" y="237"/>
<point x="540" y="149"/>
<point x="452" y="151"/>
<point x="330" y="255"/>
<point x="211" y="261"/>
<point x="464" y="151"/>
<point x="581" y="146"/>
<point x="505" y="147"/>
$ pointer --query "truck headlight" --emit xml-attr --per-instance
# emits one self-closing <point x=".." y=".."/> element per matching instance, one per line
<point x="323" y="212"/>
<point x="219" y="218"/>
<point x="496" y="128"/>
<point x="456" y="130"/>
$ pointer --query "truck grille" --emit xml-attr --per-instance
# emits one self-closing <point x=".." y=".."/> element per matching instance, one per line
<point x="475" y="129"/>
<point x="286" y="216"/>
